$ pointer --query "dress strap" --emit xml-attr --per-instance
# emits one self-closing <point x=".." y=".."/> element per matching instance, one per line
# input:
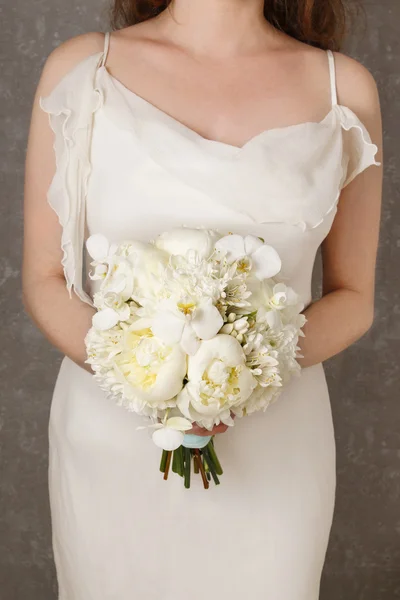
<point x="106" y="48"/>
<point x="332" y="74"/>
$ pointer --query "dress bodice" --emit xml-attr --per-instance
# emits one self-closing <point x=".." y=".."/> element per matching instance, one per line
<point x="128" y="170"/>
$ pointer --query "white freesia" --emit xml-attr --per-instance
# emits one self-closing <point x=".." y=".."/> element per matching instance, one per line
<point x="187" y="322"/>
<point x="178" y="242"/>
<point x="265" y="261"/>
<point x="218" y="380"/>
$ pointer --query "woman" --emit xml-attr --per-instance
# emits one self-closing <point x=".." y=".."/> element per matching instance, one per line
<point x="210" y="113"/>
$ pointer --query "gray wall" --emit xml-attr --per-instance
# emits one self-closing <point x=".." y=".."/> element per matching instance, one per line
<point x="364" y="556"/>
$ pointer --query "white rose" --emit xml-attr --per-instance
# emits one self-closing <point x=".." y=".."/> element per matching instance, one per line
<point x="180" y="241"/>
<point x="218" y="380"/>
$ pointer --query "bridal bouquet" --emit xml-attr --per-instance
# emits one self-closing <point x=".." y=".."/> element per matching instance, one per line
<point x="191" y="328"/>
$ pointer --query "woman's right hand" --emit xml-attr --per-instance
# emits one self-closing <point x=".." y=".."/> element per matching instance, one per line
<point x="221" y="428"/>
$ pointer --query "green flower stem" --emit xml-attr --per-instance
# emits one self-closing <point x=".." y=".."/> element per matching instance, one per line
<point x="197" y="461"/>
<point x="180" y="461"/>
<point x="205" y="462"/>
<point x="175" y="462"/>
<point x="211" y="465"/>
<point x="188" y="465"/>
<point x="163" y="462"/>
<point x="214" y="457"/>
<point x="206" y="467"/>
<point x="169" y="456"/>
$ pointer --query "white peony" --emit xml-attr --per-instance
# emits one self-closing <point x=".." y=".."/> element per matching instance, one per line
<point x="218" y="380"/>
<point x="141" y="372"/>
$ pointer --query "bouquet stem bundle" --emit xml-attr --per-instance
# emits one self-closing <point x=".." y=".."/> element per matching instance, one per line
<point x="205" y="462"/>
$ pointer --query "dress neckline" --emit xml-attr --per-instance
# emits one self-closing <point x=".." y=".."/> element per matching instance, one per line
<point x="195" y="136"/>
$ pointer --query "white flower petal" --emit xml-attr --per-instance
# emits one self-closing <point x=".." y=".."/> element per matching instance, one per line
<point x="181" y="240"/>
<point x="99" y="272"/>
<point x="183" y="403"/>
<point x="207" y="321"/>
<point x="279" y="287"/>
<point x="273" y="319"/>
<point x="98" y="246"/>
<point x="168" y="439"/>
<point x="223" y="347"/>
<point x="190" y="343"/>
<point x="251" y="244"/>
<point x="168" y="326"/>
<point x="105" y="319"/>
<point x="266" y="262"/>
<point x="179" y="423"/>
<point x="140" y="324"/>
<point x="232" y="246"/>
<point x="247" y="384"/>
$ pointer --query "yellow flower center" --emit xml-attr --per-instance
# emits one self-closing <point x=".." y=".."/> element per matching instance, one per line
<point x="186" y="308"/>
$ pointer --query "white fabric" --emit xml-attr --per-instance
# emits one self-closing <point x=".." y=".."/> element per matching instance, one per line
<point x="119" y="530"/>
<point x="332" y="74"/>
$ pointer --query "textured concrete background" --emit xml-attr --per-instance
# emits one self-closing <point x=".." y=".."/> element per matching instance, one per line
<point x="364" y="556"/>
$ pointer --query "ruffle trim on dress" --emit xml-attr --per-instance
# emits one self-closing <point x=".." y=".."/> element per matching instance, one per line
<point x="71" y="107"/>
<point x="359" y="153"/>
<point x="359" y="150"/>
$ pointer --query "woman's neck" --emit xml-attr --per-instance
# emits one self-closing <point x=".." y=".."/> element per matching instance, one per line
<point x="217" y="28"/>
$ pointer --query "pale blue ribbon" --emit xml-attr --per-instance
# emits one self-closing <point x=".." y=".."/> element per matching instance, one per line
<point x="195" y="441"/>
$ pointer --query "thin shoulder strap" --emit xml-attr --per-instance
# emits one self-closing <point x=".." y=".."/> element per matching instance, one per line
<point x="332" y="74"/>
<point x="106" y="48"/>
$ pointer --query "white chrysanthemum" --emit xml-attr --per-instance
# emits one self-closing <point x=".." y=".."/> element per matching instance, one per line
<point x="259" y="401"/>
<point x="218" y="380"/>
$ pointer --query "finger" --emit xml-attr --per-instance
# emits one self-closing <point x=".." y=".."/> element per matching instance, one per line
<point x="196" y="430"/>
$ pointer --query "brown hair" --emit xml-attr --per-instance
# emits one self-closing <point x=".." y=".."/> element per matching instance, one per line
<point x="320" y="23"/>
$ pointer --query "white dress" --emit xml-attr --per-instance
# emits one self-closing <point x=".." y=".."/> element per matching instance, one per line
<point x="120" y="532"/>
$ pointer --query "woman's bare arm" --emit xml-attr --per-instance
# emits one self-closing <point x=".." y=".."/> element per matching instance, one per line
<point x="345" y="312"/>
<point x="63" y="320"/>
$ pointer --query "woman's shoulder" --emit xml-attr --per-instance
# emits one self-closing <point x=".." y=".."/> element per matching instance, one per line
<point x="67" y="57"/>
<point x="358" y="90"/>
<point x="353" y="78"/>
